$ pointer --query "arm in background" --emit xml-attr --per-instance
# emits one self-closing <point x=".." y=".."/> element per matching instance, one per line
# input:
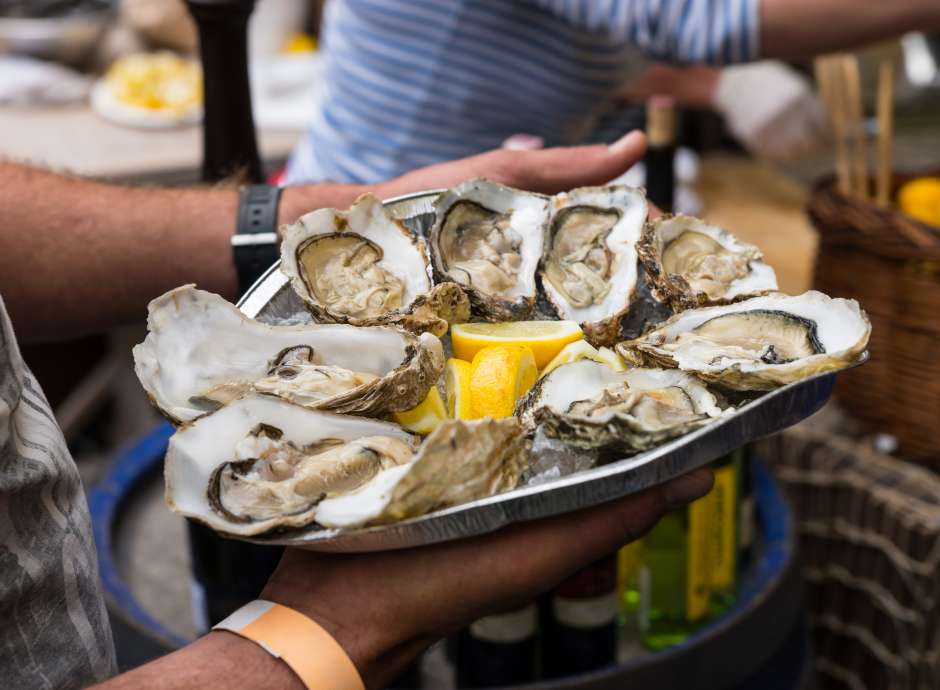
<point x="78" y="256"/>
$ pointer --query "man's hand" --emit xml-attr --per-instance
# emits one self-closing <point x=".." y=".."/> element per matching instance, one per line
<point x="544" y="170"/>
<point x="384" y="608"/>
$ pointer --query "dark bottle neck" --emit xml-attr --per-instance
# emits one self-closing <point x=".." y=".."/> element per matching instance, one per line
<point x="229" y="144"/>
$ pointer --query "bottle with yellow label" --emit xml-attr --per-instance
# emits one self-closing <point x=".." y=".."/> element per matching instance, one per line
<point x="689" y="563"/>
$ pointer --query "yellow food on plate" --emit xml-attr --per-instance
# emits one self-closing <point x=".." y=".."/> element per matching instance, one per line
<point x="581" y="349"/>
<point x="160" y="81"/>
<point x="920" y="199"/>
<point x="499" y="376"/>
<point x="424" y="418"/>
<point x="544" y="338"/>
<point x="457" y="389"/>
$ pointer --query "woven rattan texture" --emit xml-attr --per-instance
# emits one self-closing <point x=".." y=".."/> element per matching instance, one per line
<point x="870" y="543"/>
<point x="891" y="265"/>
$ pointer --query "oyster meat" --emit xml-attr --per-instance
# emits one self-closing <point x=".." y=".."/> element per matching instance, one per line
<point x="201" y="353"/>
<point x="591" y="405"/>
<point x="364" y="267"/>
<point x="261" y="464"/>
<point x="690" y="263"/>
<point x="489" y="238"/>
<point x="759" y="343"/>
<point x="589" y="272"/>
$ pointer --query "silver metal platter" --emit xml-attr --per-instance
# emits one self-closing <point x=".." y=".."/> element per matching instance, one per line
<point x="271" y="299"/>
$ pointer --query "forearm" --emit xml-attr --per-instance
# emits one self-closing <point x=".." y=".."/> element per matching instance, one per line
<point x="798" y="29"/>
<point x="78" y="256"/>
<point x="218" y="660"/>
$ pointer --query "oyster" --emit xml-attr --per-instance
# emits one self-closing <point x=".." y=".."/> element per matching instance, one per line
<point x="489" y="239"/>
<point x="363" y="267"/>
<point x="589" y="272"/>
<point x="591" y="405"/>
<point x="261" y="464"/>
<point x="690" y="263"/>
<point x="759" y="343"/>
<point x="459" y="461"/>
<point x="202" y="353"/>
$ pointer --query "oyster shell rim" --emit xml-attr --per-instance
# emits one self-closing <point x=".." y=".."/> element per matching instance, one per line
<point x="672" y="289"/>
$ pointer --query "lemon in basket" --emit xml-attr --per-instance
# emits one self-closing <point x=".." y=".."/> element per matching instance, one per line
<point x="544" y="338"/>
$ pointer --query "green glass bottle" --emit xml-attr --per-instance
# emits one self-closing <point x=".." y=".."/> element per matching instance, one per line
<point x="689" y="563"/>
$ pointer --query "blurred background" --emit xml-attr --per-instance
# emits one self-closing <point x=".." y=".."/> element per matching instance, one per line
<point x="830" y="168"/>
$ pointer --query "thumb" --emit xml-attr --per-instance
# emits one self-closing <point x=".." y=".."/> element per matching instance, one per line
<point x="558" y="169"/>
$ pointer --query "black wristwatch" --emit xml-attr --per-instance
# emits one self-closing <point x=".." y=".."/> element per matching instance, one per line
<point x="254" y="243"/>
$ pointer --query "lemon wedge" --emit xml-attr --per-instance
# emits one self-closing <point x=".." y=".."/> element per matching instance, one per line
<point x="572" y="352"/>
<point x="544" y="338"/>
<point x="499" y="376"/>
<point x="581" y="349"/>
<point x="426" y="415"/>
<point x="457" y="389"/>
<point x="607" y="356"/>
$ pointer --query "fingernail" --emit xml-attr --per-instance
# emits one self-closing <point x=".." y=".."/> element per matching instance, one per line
<point x="688" y="487"/>
<point x="630" y="140"/>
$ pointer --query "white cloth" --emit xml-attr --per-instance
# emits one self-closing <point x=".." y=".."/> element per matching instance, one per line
<point x="28" y="81"/>
<point x="771" y="109"/>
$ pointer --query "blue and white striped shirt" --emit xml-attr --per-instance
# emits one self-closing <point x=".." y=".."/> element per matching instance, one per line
<point x="408" y="83"/>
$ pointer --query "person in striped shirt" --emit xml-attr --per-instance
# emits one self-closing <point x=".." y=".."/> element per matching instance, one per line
<point x="410" y="83"/>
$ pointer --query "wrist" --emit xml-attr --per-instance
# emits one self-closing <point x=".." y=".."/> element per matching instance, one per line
<point x="297" y="200"/>
<point x="365" y="642"/>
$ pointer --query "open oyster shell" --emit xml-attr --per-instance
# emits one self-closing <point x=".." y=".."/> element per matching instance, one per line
<point x="591" y="405"/>
<point x="690" y="263"/>
<point x="201" y="352"/>
<point x="362" y="266"/>
<point x="260" y="464"/>
<point x="589" y="271"/>
<point x="489" y="238"/>
<point x="759" y="343"/>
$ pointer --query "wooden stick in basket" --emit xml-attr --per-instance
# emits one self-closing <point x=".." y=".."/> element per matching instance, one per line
<point x="829" y="78"/>
<point x="885" y="112"/>
<point x="856" y="125"/>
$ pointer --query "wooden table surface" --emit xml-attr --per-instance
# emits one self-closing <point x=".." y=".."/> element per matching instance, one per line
<point x="76" y="140"/>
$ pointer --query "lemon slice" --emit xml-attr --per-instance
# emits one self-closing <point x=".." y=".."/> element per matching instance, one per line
<point x="457" y="389"/>
<point x="426" y="415"/>
<point x="544" y="338"/>
<point x="500" y="375"/>
<point x="581" y="349"/>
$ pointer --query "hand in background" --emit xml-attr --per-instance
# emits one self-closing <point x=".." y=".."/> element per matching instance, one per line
<point x="543" y="170"/>
<point x="385" y="608"/>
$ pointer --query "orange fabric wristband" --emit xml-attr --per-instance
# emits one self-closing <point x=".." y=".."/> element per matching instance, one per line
<point x="286" y="634"/>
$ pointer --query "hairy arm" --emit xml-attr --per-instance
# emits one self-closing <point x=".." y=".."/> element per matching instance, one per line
<point x="78" y="256"/>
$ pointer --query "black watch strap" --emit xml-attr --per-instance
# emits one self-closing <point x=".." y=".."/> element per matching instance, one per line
<point x="254" y="243"/>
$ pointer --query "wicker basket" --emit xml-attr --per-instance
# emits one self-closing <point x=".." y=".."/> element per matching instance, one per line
<point x="891" y="265"/>
<point x="870" y="543"/>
